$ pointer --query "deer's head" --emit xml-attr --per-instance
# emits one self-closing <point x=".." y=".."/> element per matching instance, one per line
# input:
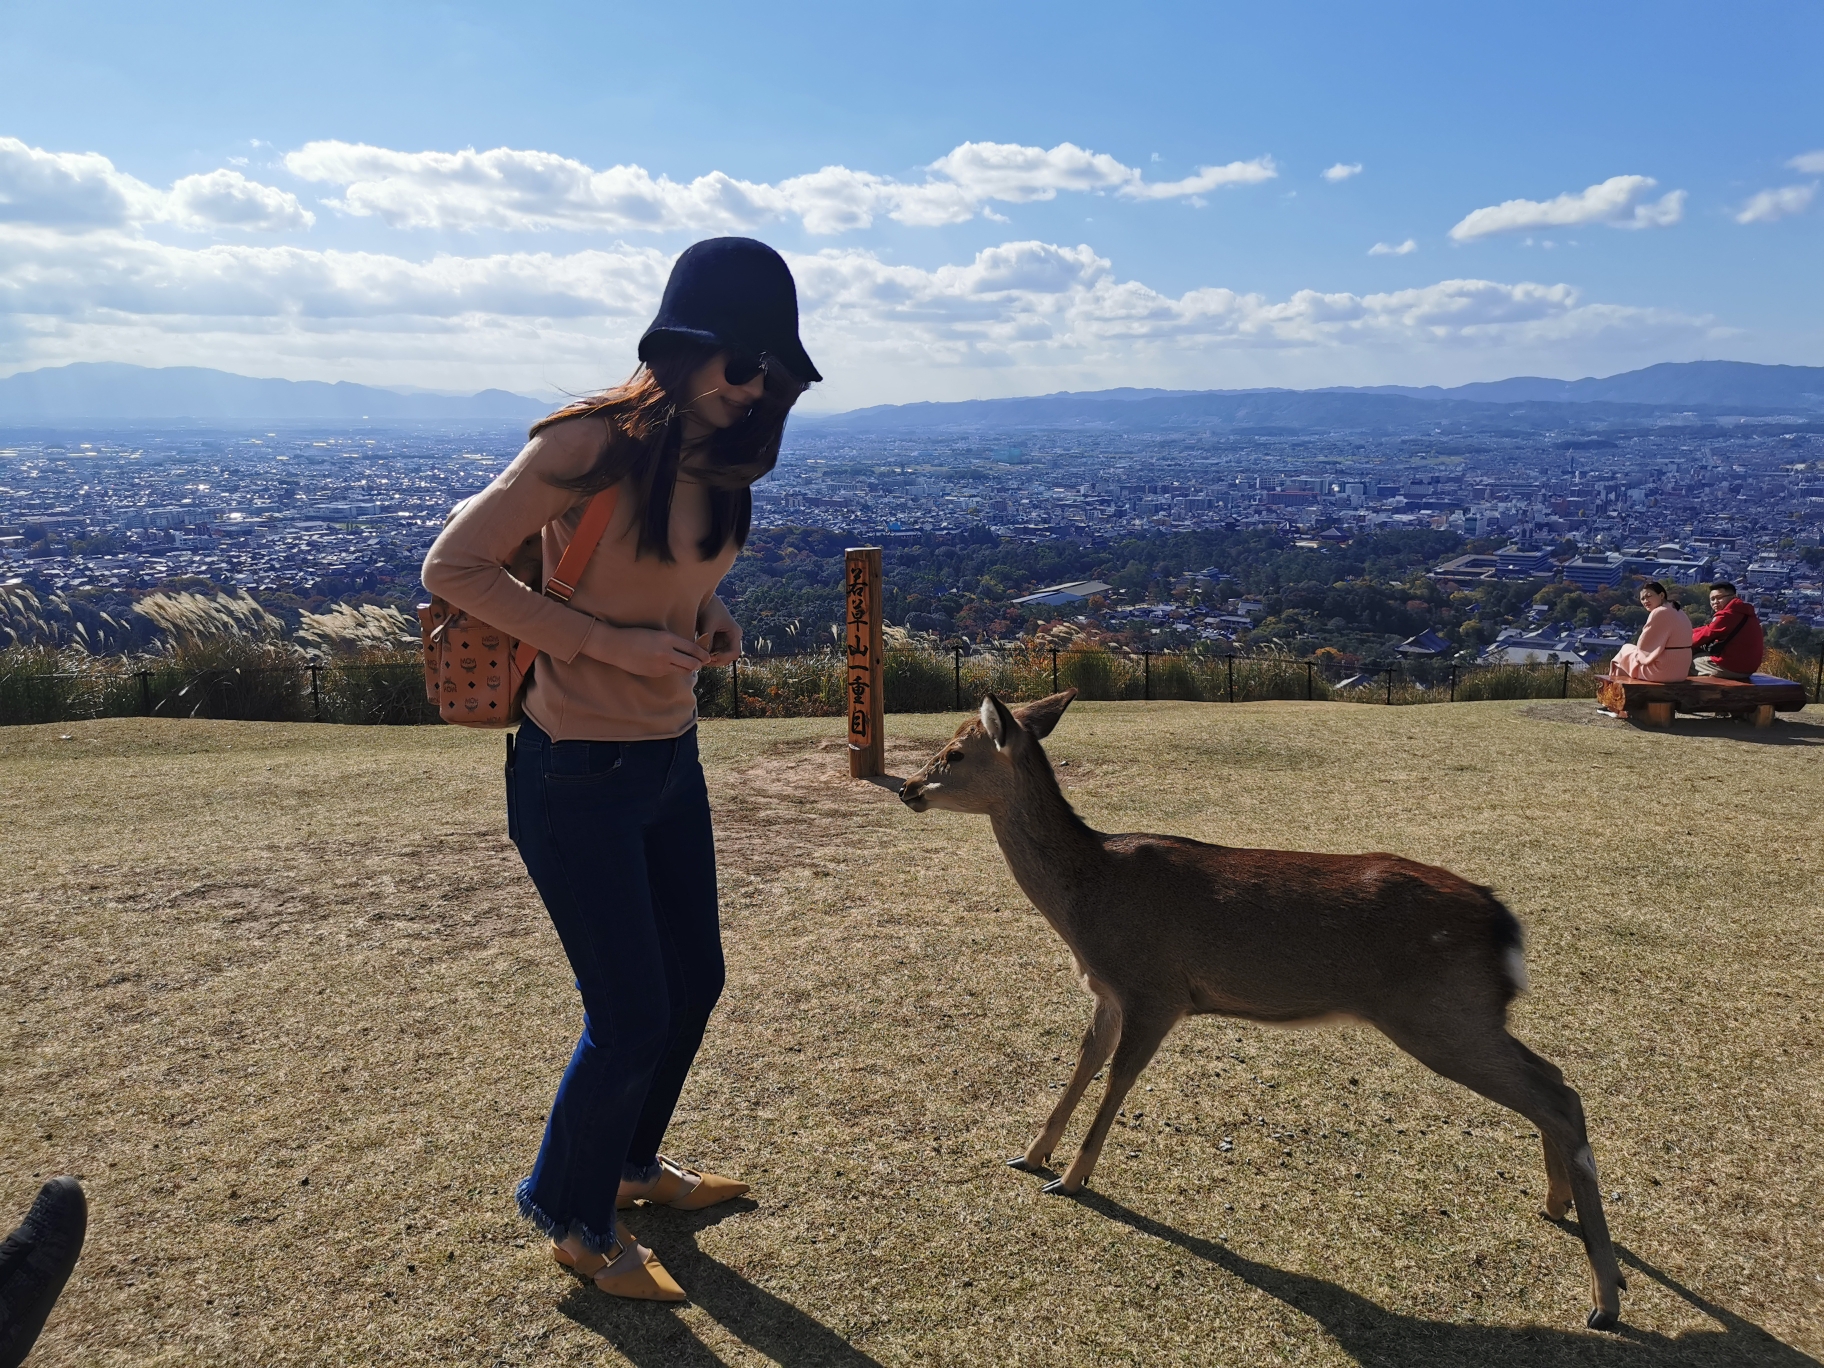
<point x="981" y="767"/>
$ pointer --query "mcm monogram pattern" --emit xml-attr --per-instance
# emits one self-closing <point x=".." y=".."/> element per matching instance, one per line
<point x="469" y="670"/>
<point x="472" y="671"/>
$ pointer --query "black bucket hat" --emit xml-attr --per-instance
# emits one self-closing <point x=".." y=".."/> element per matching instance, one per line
<point x="736" y="293"/>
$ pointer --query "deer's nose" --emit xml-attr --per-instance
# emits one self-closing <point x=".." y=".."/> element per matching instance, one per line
<point x="910" y="790"/>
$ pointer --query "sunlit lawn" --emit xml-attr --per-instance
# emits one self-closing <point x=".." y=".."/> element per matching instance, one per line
<point x="284" y="998"/>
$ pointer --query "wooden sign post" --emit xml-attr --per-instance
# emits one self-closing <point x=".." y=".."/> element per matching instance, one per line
<point x="866" y="695"/>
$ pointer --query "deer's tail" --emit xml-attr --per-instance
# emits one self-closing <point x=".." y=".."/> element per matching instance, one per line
<point x="1508" y="941"/>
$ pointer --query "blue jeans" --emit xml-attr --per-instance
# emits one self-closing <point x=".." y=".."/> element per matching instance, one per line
<point x="616" y="836"/>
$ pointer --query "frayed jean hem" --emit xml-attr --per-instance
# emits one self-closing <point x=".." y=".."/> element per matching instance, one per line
<point x="559" y="1231"/>
<point x="641" y="1173"/>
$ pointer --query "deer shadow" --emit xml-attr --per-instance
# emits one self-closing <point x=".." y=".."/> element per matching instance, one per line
<point x="650" y="1336"/>
<point x="1378" y="1338"/>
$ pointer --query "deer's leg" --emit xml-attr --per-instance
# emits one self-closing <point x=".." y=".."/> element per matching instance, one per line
<point x="1503" y="1070"/>
<point x="1557" y="1169"/>
<point x="1098" y="1044"/>
<point x="1140" y="1039"/>
<point x="1557" y="1177"/>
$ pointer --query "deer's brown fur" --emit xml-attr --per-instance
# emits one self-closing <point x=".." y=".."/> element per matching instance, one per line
<point x="1163" y="927"/>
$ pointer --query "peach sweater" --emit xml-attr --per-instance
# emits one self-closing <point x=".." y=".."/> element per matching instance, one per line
<point x="572" y="696"/>
<point x="1664" y="652"/>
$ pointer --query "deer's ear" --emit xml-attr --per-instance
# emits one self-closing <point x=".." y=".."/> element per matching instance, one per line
<point x="998" y="722"/>
<point x="1039" y="718"/>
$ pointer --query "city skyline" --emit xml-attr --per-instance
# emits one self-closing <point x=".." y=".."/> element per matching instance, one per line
<point x="1177" y="198"/>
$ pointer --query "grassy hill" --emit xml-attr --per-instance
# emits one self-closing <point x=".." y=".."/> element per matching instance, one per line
<point x="284" y="998"/>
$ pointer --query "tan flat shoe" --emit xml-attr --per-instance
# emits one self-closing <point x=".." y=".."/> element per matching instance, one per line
<point x="683" y="1189"/>
<point x="627" y="1269"/>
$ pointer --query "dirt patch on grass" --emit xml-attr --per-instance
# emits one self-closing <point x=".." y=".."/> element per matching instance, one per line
<point x="283" y="996"/>
<point x="797" y="807"/>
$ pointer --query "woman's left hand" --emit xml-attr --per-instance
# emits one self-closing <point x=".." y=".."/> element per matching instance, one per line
<point x="718" y="632"/>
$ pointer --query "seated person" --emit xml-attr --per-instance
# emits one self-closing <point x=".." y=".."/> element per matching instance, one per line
<point x="1730" y="645"/>
<point x="1664" y="650"/>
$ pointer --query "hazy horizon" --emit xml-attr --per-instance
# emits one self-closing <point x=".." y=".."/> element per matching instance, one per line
<point x="1675" y="390"/>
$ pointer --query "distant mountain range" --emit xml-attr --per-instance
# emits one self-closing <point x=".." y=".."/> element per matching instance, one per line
<point x="1709" y="384"/>
<point x="88" y="393"/>
<point x="1709" y="388"/>
<point x="107" y="392"/>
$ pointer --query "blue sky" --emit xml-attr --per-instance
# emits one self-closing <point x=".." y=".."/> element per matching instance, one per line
<point x="977" y="199"/>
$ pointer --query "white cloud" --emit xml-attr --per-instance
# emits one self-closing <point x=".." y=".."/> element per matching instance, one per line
<point x="82" y="191"/>
<point x="1342" y="171"/>
<point x="69" y="189"/>
<point x="1022" y="316"/>
<point x="1810" y="163"/>
<point x="227" y="199"/>
<point x="50" y="274"/>
<point x="1405" y="248"/>
<point x="1618" y="202"/>
<point x="1207" y="178"/>
<point x="510" y="189"/>
<point x="1014" y="294"/>
<point x="1774" y="204"/>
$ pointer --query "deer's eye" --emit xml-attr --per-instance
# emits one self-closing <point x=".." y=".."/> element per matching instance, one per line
<point x="953" y="758"/>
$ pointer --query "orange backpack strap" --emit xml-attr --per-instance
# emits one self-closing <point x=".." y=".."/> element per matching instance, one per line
<point x="575" y="560"/>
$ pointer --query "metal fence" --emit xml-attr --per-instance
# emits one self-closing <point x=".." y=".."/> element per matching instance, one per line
<point x="391" y="691"/>
<point x="384" y="693"/>
<point x="918" y="680"/>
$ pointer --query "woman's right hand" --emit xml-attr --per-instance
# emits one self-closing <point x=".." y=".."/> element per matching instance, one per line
<point x="648" y="651"/>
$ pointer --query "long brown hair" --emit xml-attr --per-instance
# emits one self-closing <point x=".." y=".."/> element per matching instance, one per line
<point x="643" y="441"/>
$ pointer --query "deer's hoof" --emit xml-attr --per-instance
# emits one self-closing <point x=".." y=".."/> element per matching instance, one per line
<point x="1556" y="1207"/>
<point x="1058" y="1188"/>
<point x="1603" y="1320"/>
<point x="1025" y="1165"/>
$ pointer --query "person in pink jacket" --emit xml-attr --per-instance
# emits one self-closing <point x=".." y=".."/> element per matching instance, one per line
<point x="1664" y="650"/>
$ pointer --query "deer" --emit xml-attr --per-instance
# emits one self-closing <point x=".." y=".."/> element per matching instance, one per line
<point x="1161" y="928"/>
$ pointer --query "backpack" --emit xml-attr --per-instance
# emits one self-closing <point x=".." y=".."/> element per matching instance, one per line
<point x="475" y="673"/>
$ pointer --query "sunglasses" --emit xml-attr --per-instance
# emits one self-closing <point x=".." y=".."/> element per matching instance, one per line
<point x="742" y="369"/>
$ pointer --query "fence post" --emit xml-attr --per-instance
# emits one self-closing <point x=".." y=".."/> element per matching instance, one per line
<point x="316" y="694"/>
<point x="1146" y="672"/>
<point x="959" y="678"/>
<point x="1231" y="660"/>
<point x="1564" y="688"/>
<point x="145" y="691"/>
<point x="1453" y="683"/>
<point x="734" y="687"/>
<point x="1390" y="686"/>
<point x="1309" y="666"/>
<point x="866" y="703"/>
<point x="1054" y="669"/>
<point x="1817" y="690"/>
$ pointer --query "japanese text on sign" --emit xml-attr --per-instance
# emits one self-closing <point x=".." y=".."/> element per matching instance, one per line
<point x="859" y="642"/>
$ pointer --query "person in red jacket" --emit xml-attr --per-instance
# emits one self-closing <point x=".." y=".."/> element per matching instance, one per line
<point x="1730" y="645"/>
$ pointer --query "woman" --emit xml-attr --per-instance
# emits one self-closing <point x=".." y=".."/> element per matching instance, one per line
<point x="1664" y="650"/>
<point x="605" y="797"/>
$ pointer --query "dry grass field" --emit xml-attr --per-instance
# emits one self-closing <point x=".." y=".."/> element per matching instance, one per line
<point x="284" y="999"/>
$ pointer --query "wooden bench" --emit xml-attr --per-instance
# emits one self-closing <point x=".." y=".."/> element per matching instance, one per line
<point x="1756" y="699"/>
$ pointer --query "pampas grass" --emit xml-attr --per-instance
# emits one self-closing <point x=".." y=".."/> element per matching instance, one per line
<point x="189" y="619"/>
<point x="358" y="629"/>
